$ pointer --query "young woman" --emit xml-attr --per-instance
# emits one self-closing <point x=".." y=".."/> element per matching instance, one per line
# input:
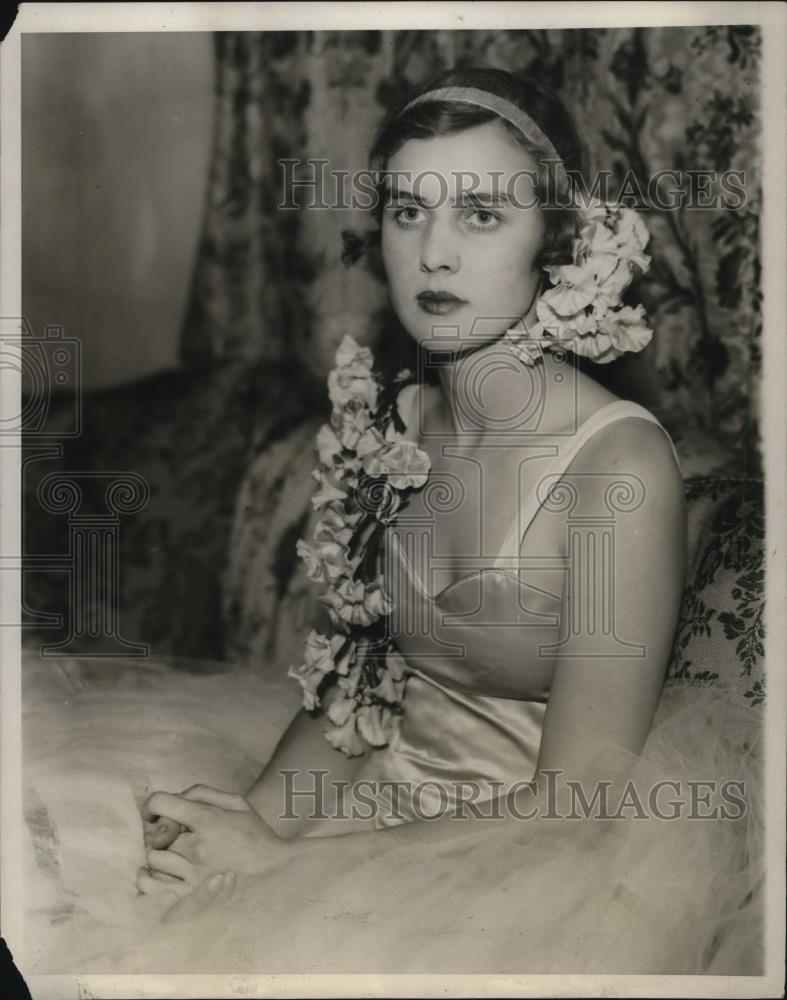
<point x="535" y="581"/>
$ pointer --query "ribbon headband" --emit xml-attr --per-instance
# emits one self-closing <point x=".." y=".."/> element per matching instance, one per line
<point x="500" y="106"/>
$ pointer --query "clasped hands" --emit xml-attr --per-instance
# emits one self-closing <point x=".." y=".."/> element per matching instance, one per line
<point x="202" y="832"/>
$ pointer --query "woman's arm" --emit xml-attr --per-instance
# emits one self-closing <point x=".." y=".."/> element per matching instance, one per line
<point x="296" y="794"/>
<point x="596" y="700"/>
<point x="205" y="830"/>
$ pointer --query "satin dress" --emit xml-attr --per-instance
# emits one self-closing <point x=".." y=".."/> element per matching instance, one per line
<point x="491" y="620"/>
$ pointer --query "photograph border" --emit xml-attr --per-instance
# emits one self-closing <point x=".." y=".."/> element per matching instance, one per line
<point x="208" y="17"/>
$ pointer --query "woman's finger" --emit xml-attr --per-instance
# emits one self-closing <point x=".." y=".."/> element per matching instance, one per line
<point x="231" y="801"/>
<point x="173" y="807"/>
<point x="162" y="833"/>
<point x="158" y="904"/>
<point x="170" y="863"/>
<point x="151" y="886"/>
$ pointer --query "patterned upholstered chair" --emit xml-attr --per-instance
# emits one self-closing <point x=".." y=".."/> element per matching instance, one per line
<point x="720" y="635"/>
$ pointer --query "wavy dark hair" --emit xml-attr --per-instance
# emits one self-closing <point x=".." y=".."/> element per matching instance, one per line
<point x="431" y="119"/>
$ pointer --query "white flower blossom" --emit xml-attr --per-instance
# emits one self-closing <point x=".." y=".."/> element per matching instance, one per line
<point x="628" y="330"/>
<point x="329" y="447"/>
<point x="314" y="567"/>
<point x="346" y="604"/>
<point x="348" y="684"/>
<point x="611" y="289"/>
<point x="333" y="556"/>
<point x="601" y="250"/>
<point x="320" y="651"/>
<point x="340" y="710"/>
<point x="346" y="738"/>
<point x="351" y="356"/>
<point x="598" y="347"/>
<point x="403" y="462"/>
<point x="632" y="237"/>
<point x="342" y="389"/>
<point x="371" y="442"/>
<point x="309" y="679"/>
<point x="576" y="288"/>
<point x="354" y="425"/>
<point x="376" y="601"/>
<point x="388" y="689"/>
<point x="327" y="493"/>
<point x="334" y="526"/>
<point x="375" y="724"/>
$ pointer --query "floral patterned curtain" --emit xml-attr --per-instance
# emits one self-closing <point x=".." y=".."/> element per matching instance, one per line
<point x="268" y="283"/>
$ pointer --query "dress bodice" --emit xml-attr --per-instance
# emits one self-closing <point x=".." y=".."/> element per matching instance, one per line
<point x="490" y="621"/>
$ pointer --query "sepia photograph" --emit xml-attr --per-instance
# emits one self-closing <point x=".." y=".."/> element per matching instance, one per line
<point x="392" y="402"/>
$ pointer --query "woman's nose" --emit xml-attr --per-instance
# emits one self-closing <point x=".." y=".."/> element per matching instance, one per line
<point x="439" y="251"/>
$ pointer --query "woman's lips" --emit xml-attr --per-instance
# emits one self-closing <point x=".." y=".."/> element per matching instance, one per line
<point x="439" y="303"/>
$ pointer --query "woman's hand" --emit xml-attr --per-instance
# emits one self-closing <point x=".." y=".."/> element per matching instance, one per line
<point x="160" y="831"/>
<point x="221" y="833"/>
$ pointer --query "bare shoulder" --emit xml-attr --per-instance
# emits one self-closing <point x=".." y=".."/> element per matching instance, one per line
<point x="639" y="453"/>
<point x="633" y="441"/>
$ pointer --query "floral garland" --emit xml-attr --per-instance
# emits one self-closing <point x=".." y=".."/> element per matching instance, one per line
<point x="366" y="470"/>
<point x="583" y="312"/>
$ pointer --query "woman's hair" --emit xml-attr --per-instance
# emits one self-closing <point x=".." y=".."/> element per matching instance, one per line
<point x="430" y="119"/>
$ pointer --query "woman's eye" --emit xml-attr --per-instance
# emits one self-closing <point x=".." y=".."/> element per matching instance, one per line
<point x="409" y="215"/>
<point x="483" y="218"/>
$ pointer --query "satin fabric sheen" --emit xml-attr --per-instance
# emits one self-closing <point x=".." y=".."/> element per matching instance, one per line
<point x="493" y="622"/>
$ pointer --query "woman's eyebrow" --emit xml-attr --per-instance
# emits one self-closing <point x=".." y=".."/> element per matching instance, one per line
<point x="485" y="198"/>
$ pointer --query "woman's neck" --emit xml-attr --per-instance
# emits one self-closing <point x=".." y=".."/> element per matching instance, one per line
<point x="492" y="391"/>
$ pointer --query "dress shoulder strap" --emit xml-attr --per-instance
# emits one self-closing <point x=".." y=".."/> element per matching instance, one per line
<point x="606" y="415"/>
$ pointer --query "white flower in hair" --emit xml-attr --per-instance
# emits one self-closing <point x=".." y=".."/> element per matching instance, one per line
<point x="575" y="288"/>
<point x="583" y="311"/>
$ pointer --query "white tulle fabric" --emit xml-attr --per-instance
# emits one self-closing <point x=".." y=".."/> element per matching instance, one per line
<point x="506" y="897"/>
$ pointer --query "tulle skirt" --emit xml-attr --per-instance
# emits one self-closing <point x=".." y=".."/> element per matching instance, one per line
<point x="652" y="895"/>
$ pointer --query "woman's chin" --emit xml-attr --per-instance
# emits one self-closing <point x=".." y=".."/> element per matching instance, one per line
<point x="440" y="339"/>
<point x="444" y="351"/>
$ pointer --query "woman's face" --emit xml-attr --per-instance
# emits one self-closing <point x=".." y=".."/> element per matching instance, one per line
<point x="458" y="253"/>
